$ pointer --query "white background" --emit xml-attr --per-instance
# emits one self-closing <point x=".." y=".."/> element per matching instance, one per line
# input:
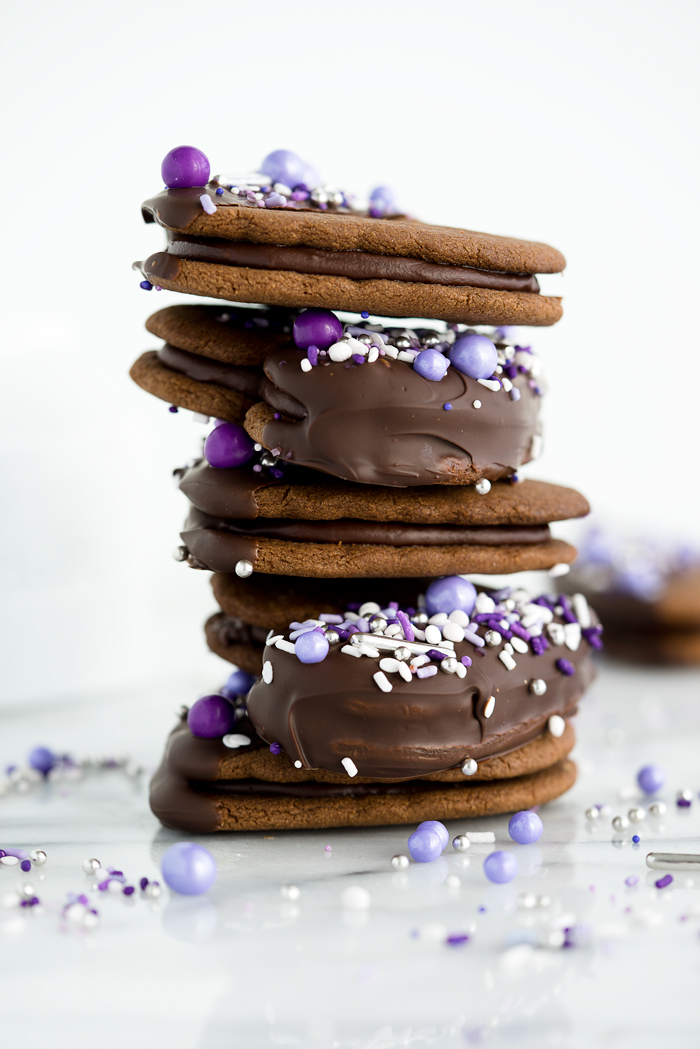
<point x="575" y="124"/>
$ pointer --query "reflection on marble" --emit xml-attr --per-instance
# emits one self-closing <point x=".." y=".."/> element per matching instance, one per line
<point x="246" y="967"/>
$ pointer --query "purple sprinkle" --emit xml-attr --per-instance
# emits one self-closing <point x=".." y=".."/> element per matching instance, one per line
<point x="539" y="645"/>
<point x="567" y="614"/>
<point x="2" y="853"/>
<point x="448" y="408"/>
<point x="25" y="865"/>
<point x="457" y="939"/>
<point x="329" y="617"/>
<point x="364" y="315"/>
<point x="511" y="371"/>
<point x="115" y="873"/>
<point x="219" y="191"/>
<point x="636" y="839"/>
<point x="21" y="854"/>
<point x="146" y="285"/>
<point x="172" y="408"/>
<point x="143" y="883"/>
<point x="433" y="653"/>
<point x="358" y="358"/>
<point x="393" y="605"/>
<point x="592" y="636"/>
<point x="631" y="881"/>
<point x="328" y="848"/>
<point x="277" y="416"/>
<point x="353" y="629"/>
<point x="276" y="452"/>
<point x="312" y="354"/>
<point x="342" y="634"/>
<point x="406" y="626"/>
<point x="663" y="882"/>
<point x="429" y="671"/>
<point x="565" y="667"/>
<point x="128" y="890"/>
<point x="275" y="748"/>
<point x="257" y="469"/>
<point x="362" y="625"/>
<point x="520" y="632"/>
<point x="276" y="472"/>
<point x="104" y="885"/>
<point x="466" y="661"/>
<point x="683" y="803"/>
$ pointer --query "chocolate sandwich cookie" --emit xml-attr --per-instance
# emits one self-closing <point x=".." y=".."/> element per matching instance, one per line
<point x="247" y="240"/>
<point x="236" y="641"/>
<point x="240" y="335"/>
<point x="223" y="391"/>
<point x="401" y="407"/>
<point x="203" y="786"/>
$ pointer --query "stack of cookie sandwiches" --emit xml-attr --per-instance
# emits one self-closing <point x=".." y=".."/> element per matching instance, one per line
<point x="360" y="466"/>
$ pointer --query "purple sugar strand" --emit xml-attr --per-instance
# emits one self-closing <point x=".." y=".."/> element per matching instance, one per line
<point x="406" y="626"/>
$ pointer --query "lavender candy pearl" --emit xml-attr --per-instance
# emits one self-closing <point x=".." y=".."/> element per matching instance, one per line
<point x="311" y="647"/>
<point x="42" y="759"/>
<point x="238" y="684"/>
<point x="475" y="356"/>
<point x="316" y="327"/>
<point x="450" y="594"/>
<point x="188" y="868"/>
<point x="651" y="778"/>
<point x="284" y="166"/>
<point x="425" y="844"/>
<point x="185" y="166"/>
<point x="431" y="364"/>
<point x="228" y="446"/>
<point x="439" y="828"/>
<point x="500" y="866"/>
<point x="211" y="717"/>
<point x="381" y="201"/>
<point x="525" y="827"/>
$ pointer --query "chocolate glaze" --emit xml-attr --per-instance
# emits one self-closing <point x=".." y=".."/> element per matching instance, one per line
<point x="383" y="423"/>
<point x="383" y="533"/>
<point x="324" y="712"/>
<point x="243" y="380"/>
<point x="355" y="265"/>
<point x="319" y="790"/>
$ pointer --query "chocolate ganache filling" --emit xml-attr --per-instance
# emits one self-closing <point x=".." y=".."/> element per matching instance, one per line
<point x="355" y="265"/>
<point x="243" y="380"/>
<point x="383" y="423"/>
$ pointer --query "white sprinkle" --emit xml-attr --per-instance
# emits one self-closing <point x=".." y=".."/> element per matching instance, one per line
<point x="559" y="570"/>
<point x="285" y="646"/>
<point x="351" y="617"/>
<point x="490" y="707"/>
<point x="407" y="356"/>
<point x="490" y="384"/>
<point x="391" y="351"/>
<point x="383" y="681"/>
<point x="555" y="633"/>
<point x="483" y="486"/>
<point x="486" y="837"/>
<point x="433" y="635"/>
<point x="372" y="355"/>
<point x="418" y="634"/>
<point x="507" y="660"/>
<point x="267" y="672"/>
<point x="306" y="364"/>
<point x="394" y="630"/>
<point x="485" y="604"/>
<point x="536" y="446"/>
<point x="370" y="608"/>
<point x="417" y="661"/>
<point x="389" y="665"/>
<point x="340" y="351"/>
<point x="461" y="670"/>
<point x="349" y="766"/>
<point x="369" y="650"/>
<point x="507" y="384"/>
<point x="404" y="671"/>
<point x="297" y="764"/>
<point x="476" y="404"/>
<point x="9" y="861"/>
<point x="459" y="617"/>
<point x="447" y="644"/>
<point x="438" y="619"/>
<point x="290" y="892"/>
<point x="519" y="645"/>
<point x="351" y="650"/>
<point x="556" y="725"/>
<point x="257" y="447"/>
<point x="508" y="648"/>
<point x="197" y="417"/>
<point x="582" y="611"/>
<point x="355" y="898"/>
<point x="207" y="204"/>
<point x="235" y="739"/>
<point x="572" y="636"/>
<point x="452" y="632"/>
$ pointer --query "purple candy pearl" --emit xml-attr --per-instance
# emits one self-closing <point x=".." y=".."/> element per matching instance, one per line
<point x="185" y="166"/>
<point x="311" y="647"/>
<point x="228" y="445"/>
<point x="651" y="778"/>
<point x="439" y="828"/>
<point x="500" y="867"/>
<point x="475" y="356"/>
<point x="284" y="166"/>
<point x="381" y="201"/>
<point x="25" y="865"/>
<point x="316" y="327"/>
<point x="525" y="827"/>
<point x="42" y="760"/>
<point x="431" y="364"/>
<point x="239" y="684"/>
<point x="425" y="844"/>
<point x="450" y="594"/>
<point x="211" y="717"/>
<point x="188" y="868"/>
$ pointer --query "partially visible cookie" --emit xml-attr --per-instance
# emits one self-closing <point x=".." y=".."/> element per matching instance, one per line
<point x="177" y="389"/>
<point x="232" y="334"/>
<point x="236" y="641"/>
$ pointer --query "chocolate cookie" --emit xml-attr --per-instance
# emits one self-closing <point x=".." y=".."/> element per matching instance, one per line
<point x="236" y="641"/>
<point x="247" y="493"/>
<point x="163" y="380"/>
<point x="299" y="255"/>
<point x="201" y="787"/>
<point x="238" y="335"/>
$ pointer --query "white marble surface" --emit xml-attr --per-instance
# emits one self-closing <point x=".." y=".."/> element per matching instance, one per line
<point x="243" y="967"/>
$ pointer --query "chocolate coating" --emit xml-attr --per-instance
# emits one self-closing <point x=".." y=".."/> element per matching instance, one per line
<point x="383" y="423"/>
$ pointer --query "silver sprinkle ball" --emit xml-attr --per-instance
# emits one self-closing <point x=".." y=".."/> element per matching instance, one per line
<point x="469" y="766"/>
<point x="592" y="813"/>
<point x="244" y="569"/>
<point x="620" y="823"/>
<point x="290" y="892"/>
<point x="38" y="857"/>
<point x="400" y="862"/>
<point x="636" y="814"/>
<point x="90" y="866"/>
<point x="657" y="808"/>
<point x="180" y="553"/>
<point x="461" y="843"/>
